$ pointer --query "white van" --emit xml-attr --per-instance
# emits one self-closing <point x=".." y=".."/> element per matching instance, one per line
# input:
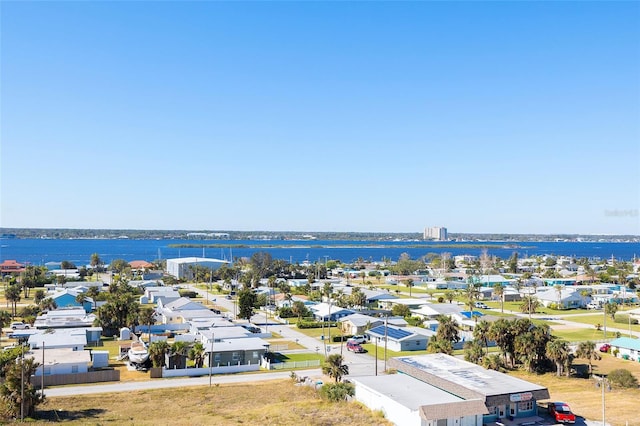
<point x="594" y="305"/>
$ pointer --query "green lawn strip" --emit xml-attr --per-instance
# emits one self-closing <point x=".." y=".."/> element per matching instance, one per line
<point x="599" y="319"/>
<point x="583" y="334"/>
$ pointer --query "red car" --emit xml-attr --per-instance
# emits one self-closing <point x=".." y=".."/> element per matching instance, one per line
<point x="561" y="412"/>
<point x="605" y="347"/>
<point x="355" y="347"/>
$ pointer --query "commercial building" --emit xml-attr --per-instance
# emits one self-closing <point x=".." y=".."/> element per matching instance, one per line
<point x="184" y="267"/>
<point x="441" y="390"/>
<point x="437" y="233"/>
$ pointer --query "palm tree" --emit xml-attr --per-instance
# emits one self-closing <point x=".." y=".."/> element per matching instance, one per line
<point x="587" y="350"/>
<point x="558" y="352"/>
<point x="147" y="316"/>
<point x="80" y="299"/>
<point x="47" y="304"/>
<point x="5" y="320"/>
<point x="157" y="351"/>
<point x="558" y="288"/>
<point x="437" y="345"/>
<point x="492" y="362"/>
<point x="481" y="333"/>
<point x="12" y="294"/>
<point x="334" y="367"/>
<point x="498" y="290"/>
<point x="196" y="354"/>
<point x="409" y="283"/>
<point x="178" y="351"/>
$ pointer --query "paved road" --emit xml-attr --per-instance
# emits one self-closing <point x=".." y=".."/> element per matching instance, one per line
<point x="359" y="364"/>
<point x="172" y="383"/>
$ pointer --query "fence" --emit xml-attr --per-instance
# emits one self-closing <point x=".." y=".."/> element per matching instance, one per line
<point x="195" y="372"/>
<point x="77" y="378"/>
<point x="293" y="364"/>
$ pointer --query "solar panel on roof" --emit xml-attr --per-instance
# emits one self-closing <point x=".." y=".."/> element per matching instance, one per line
<point x="393" y="333"/>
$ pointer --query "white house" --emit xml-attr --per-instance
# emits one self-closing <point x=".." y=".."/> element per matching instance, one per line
<point x="60" y="361"/>
<point x="399" y="338"/>
<point x="566" y="297"/>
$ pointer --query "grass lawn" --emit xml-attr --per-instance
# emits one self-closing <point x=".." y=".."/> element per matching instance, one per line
<point x="582" y="334"/>
<point x="598" y="319"/>
<point x="268" y="403"/>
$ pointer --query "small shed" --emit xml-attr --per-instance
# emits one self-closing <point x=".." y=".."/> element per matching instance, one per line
<point x="125" y="333"/>
<point x="100" y="359"/>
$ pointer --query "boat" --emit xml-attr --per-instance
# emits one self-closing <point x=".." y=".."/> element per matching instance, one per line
<point x="138" y="353"/>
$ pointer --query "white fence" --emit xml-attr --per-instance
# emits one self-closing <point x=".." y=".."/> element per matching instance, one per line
<point x="205" y="371"/>
<point x="291" y="364"/>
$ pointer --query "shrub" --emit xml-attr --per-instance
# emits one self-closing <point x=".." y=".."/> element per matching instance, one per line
<point x="623" y="378"/>
<point x="440" y="299"/>
<point x="188" y="293"/>
<point x="314" y="324"/>
<point x="624" y="319"/>
<point x="337" y="391"/>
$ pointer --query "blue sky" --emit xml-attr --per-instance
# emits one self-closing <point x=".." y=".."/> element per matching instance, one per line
<point x="517" y="117"/>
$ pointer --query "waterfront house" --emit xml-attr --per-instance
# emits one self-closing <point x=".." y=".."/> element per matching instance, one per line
<point x="11" y="267"/>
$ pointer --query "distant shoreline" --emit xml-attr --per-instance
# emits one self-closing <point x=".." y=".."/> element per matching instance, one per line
<point x="310" y="236"/>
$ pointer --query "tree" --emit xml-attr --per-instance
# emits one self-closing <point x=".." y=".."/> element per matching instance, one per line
<point x="558" y="352"/>
<point x="299" y="309"/>
<point x="492" y="362"/>
<point x="409" y="283"/>
<point x="246" y="302"/>
<point x="623" y="378"/>
<point x="448" y="329"/>
<point x="157" y="352"/>
<point x="610" y="309"/>
<point x="529" y="305"/>
<point x="119" y="266"/>
<point x="47" y="304"/>
<point x="334" y="368"/>
<point x="179" y="351"/>
<point x="473" y="351"/>
<point x="439" y="346"/>
<point x="587" y="350"/>
<point x="95" y="261"/>
<point x="5" y="320"/>
<point x="481" y="333"/>
<point x="449" y="295"/>
<point x="147" y="316"/>
<point x="121" y="310"/>
<point x="501" y="333"/>
<point x="17" y="383"/>
<point x="38" y="296"/>
<point x="358" y="298"/>
<point x="81" y="298"/>
<point x="196" y="354"/>
<point x="399" y="310"/>
<point x="12" y="294"/>
<point x="498" y="290"/>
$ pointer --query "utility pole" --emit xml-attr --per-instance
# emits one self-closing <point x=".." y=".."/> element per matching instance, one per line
<point x="42" y="384"/>
<point x="22" y="384"/>
<point x="385" y="344"/>
<point x="211" y="360"/>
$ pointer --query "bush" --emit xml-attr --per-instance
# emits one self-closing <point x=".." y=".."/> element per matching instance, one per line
<point x="337" y="391"/>
<point x="286" y="312"/>
<point x="188" y="293"/>
<point x="314" y="324"/>
<point x="623" y="378"/>
<point x="440" y="299"/>
<point x="624" y="319"/>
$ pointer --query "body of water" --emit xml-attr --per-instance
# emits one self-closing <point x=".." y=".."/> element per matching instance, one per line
<point x="41" y="251"/>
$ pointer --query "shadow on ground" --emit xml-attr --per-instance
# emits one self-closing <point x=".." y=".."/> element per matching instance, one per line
<point x="64" y="415"/>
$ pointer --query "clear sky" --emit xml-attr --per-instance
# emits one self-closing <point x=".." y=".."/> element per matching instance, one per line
<point x="516" y="117"/>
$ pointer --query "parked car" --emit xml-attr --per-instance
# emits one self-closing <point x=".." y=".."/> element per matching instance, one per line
<point x="594" y="305"/>
<point x="358" y="339"/>
<point x="605" y="348"/>
<point x="481" y="305"/>
<point x="561" y="412"/>
<point x="354" y="347"/>
<point x="19" y="325"/>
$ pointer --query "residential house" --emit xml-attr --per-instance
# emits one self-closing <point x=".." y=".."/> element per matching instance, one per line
<point x="68" y="298"/>
<point x="399" y="338"/>
<point x="73" y="338"/>
<point x="329" y="312"/>
<point x="627" y="348"/>
<point x="11" y="267"/>
<point x="60" y="361"/>
<point x="235" y="351"/>
<point x="358" y="323"/>
<point x="65" y="318"/>
<point x="184" y="267"/>
<point x="565" y="297"/>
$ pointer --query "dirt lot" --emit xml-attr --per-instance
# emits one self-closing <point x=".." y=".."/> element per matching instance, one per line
<point x="585" y="398"/>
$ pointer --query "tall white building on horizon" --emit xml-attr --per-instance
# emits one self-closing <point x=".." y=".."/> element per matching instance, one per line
<point x="437" y="233"/>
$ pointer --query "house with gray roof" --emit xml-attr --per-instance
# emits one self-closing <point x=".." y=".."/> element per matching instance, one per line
<point x="399" y="338"/>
